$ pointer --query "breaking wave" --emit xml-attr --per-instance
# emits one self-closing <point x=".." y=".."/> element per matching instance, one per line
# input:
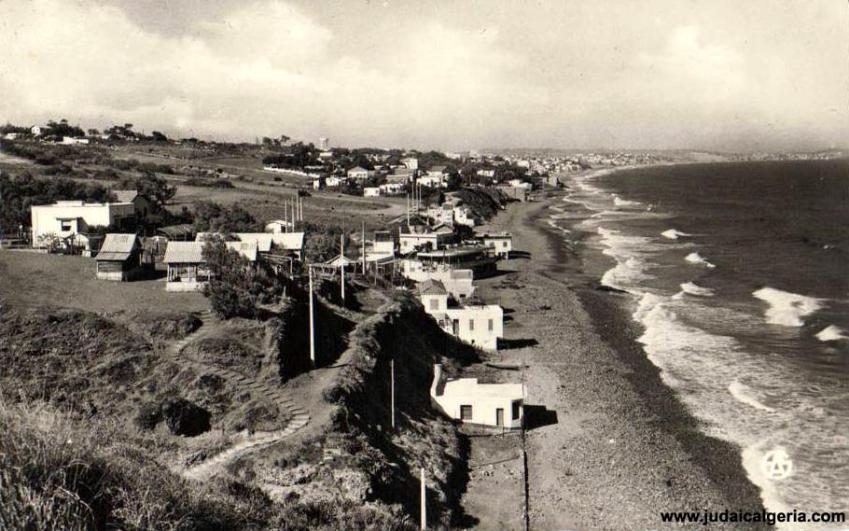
<point x="696" y="258"/>
<point x="787" y="309"/>
<point x="674" y="234"/>
<point x="832" y="333"/>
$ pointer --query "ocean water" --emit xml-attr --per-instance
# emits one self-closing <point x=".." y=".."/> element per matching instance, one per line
<point x="738" y="275"/>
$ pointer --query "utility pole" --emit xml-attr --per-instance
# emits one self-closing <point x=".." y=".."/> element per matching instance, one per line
<point x="342" y="265"/>
<point x="312" y="321"/>
<point x="424" y="500"/>
<point x="392" y="390"/>
<point x="364" y="248"/>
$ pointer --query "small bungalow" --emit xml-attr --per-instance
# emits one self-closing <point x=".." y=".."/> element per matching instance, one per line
<point x="471" y="402"/>
<point x="371" y="191"/>
<point x="119" y="258"/>
<point x="359" y="173"/>
<point x="187" y="270"/>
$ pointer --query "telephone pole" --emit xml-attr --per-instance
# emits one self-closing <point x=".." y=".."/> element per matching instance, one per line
<point x="392" y="390"/>
<point x="312" y="321"/>
<point x="342" y="264"/>
<point x="424" y="500"/>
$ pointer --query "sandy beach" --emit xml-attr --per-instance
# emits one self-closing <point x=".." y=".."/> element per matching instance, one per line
<point x="613" y="446"/>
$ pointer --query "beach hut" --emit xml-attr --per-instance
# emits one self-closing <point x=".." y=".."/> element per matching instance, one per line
<point x="467" y="400"/>
<point x="119" y="258"/>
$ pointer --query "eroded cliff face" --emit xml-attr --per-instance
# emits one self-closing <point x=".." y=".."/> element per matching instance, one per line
<point x="362" y="422"/>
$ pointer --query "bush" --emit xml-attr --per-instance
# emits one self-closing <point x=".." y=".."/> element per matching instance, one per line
<point x="236" y="287"/>
<point x="184" y="417"/>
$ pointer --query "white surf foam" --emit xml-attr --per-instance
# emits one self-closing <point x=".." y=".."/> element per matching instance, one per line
<point x="743" y="394"/>
<point x="696" y="258"/>
<point x="691" y="288"/>
<point x="674" y="234"/>
<point x="618" y="201"/>
<point x="787" y="309"/>
<point x="832" y="333"/>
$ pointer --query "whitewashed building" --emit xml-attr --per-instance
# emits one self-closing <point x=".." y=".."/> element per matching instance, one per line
<point x="478" y="325"/>
<point x="371" y="191"/>
<point x="501" y="243"/>
<point x="471" y="402"/>
<point x="415" y="237"/>
<point x="71" y="220"/>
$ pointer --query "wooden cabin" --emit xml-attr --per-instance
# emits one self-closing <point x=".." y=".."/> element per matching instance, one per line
<point x="119" y="258"/>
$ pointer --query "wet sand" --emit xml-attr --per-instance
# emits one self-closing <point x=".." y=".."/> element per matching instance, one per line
<point x="613" y="446"/>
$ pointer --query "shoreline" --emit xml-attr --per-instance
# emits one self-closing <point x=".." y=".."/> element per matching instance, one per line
<point x="624" y="447"/>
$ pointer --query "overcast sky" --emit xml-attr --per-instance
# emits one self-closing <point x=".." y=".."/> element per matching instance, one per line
<point x="712" y="74"/>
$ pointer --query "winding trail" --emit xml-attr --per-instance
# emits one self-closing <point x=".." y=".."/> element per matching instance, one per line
<point x="245" y="442"/>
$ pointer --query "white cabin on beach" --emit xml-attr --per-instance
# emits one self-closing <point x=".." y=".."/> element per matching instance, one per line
<point x="465" y="399"/>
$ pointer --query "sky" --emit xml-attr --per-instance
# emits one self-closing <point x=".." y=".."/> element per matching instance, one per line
<point x="453" y="75"/>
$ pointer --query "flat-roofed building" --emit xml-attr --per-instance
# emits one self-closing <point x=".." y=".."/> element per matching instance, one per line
<point x="71" y="221"/>
<point x="499" y="405"/>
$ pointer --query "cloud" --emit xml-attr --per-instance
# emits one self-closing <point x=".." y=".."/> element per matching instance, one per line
<point x="264" y="68"/>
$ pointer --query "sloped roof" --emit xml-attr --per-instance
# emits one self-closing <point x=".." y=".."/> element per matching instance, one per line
<point x="184" y="230"/>
<point x="432" y="287"/>
<point x="341" y="261"/>
<point x="117" y="247"/>
<point x="437" y="168"/>
<point x="125" y="196"/>
<point x="262" y="240"/>
<point x="184" y="253"/>
<point x="357" y="169"/>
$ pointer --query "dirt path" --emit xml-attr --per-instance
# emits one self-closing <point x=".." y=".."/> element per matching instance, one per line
<point x="245" y="442"/>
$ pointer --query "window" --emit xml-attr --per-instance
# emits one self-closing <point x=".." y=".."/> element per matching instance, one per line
<point x="504" y="244"/>
<point x="471" y="325"/>
<point x="434" y="304"/>
<point x="517" y="406"/>
<point x="491" y="325"/>
<point x="466" y="412"/>
<point x="65" y="226"/>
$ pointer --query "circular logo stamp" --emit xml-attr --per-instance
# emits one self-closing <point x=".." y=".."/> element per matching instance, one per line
<point x="777" y="464"/>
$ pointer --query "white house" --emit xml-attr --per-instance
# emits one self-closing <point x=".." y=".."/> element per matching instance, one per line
<point x="433" y="181"/>
<point x="37" y="130"/>
<point x="478" y="325"/>
<point x="502" y="243"/>
<point x="413" y="237"/>
<point x="464" y="215"/>
<point x="443" y="214"/>
<point x="278" y="226"/>
<point x="333" y="181"/>
<point x="486" y="172"/>
<point x="371" y="191"/>
<point x="458" y="282"/>
<point x="471" y="402"/>
<point x="359" y="173"/>
<point x="411" y="163"/>
<point x="381" y="248"/>
<point x="392" y="189"/>
<point x="71" y="220"/>
<point x="519" y="183"/>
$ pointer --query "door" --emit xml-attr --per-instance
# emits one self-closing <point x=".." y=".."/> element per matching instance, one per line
<point x="499" y="417"/>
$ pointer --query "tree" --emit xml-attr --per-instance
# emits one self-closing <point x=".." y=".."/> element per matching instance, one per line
<point x="155" y="188"/>
<point x="93" y="132"/>
<point x="321" y="242"/>
<point x="236" y="288"/>
<point x="212" y="217"/>
<point x="158" y="137"/>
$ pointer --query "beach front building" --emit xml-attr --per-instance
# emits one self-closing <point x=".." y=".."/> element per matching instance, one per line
<point x="67" y="223"/>
<point x="478" y="325"/>
<point x="458" y="282"/>
<point x="471" y="402"/>
<point x="187" y="270"/>
<point x="479" y="258"/>
<point x="501" y="243"/>
<point x="443" y="214"/>
<point x="416" y="237"/>
<point x="382" y="248"/>
<point x="119" y="258"/>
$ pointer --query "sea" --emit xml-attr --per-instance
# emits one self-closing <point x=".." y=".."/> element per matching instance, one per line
<point x="737" y="276"/>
